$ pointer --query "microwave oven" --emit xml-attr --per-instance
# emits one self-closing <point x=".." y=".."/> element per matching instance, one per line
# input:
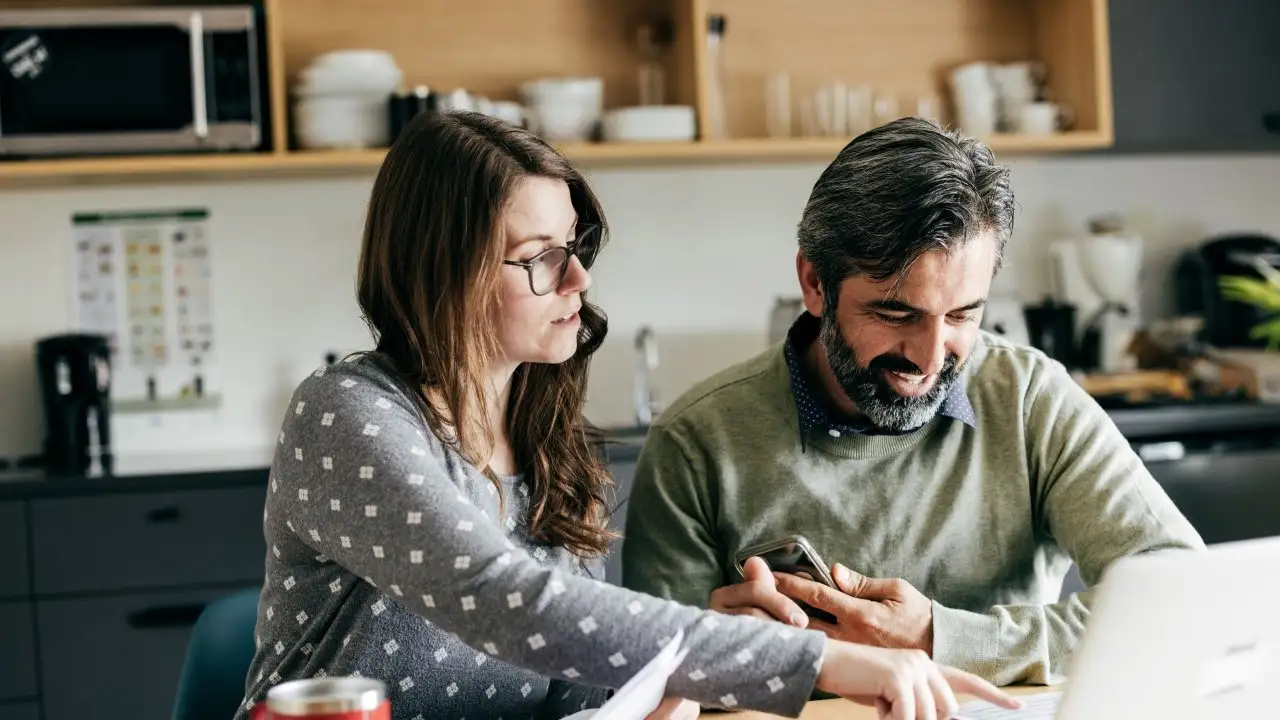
<point x="130" y="80"/>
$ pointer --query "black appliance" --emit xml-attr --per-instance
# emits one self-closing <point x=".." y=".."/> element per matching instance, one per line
<point x="1226" y="322"/>
<point x="1051" y="327"/>
<point x="132" y="79"/>
<point x="74" y="373"/>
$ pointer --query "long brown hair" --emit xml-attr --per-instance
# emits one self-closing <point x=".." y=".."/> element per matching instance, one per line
<point x="429" y="289"/>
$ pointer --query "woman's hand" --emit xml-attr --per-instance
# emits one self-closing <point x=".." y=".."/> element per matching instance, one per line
<point x="675" y="709"/>
<point x="902" y="684"/>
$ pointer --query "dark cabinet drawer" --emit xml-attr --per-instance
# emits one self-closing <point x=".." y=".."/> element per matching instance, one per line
<point x="17" y="652"/>
<point x="14" y="579"/>
<point x="20" y="711"/>
<point x="148" y="540"/>
<point x="116" y="657"/>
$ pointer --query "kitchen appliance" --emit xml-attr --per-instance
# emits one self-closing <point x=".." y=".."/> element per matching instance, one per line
<point x="1051" y="328"/>
<point x="1099" y="275"/>
<point x="1226" y="322"/>
<point x="74" y="374"/>
<point x="131" y="79"/>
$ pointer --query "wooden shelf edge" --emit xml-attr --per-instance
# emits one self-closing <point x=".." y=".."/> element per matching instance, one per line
<point x="337" y="162"/>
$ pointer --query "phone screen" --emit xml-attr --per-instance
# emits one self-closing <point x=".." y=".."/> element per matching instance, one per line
<point x="797" y="559"/>
<point x="792" y="558"/>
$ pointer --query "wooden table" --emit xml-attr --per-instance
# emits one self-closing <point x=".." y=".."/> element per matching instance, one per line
<point x="845" y="710"/>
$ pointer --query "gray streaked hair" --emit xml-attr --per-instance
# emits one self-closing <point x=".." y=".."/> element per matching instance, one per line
<point x="897" y="192"/>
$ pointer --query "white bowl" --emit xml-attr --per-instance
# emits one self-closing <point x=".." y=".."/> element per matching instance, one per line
<point x="370" y="72"/>
<point x="371" y="60"/>
<point x="650" y="123"/>
<point x="564" y="109"/>
<point x="341" y="121"/>
<point x="562" y="87"/>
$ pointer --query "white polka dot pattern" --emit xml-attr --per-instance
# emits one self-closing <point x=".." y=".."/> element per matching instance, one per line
<point x="358" y="482"/>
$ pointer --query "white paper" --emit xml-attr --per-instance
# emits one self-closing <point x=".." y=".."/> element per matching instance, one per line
<point x="1041" y="706"/>
<point x="644" y="692"/>
<point x="143" y="278"/>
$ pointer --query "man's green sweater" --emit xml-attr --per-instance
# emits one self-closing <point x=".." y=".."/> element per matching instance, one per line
<point x="984" y="520"/>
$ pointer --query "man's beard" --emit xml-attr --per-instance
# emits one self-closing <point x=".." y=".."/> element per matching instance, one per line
<point x="871" y="392"/>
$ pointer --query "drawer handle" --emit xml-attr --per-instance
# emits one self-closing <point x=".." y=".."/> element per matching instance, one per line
<point x="164" y="514"/>
<point x="166" y="616"/>
<point x="1271" y="121"/>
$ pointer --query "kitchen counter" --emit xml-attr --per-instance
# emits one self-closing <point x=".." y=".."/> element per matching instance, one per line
<point x="162" y="472"/>
<point x="145" y="473"/>
<point x="190" y="471"/>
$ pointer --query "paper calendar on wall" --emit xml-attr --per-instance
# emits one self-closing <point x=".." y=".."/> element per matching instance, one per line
<point x="143" y="279"/>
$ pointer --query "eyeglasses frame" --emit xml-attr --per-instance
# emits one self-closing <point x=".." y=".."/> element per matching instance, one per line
<point x="571" y="252"/>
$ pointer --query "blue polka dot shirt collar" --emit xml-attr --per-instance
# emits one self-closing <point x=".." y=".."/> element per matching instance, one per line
<point x="814" y="416"/>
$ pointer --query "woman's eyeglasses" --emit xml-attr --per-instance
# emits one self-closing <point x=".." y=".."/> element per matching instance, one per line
<point x="547" y="269"/>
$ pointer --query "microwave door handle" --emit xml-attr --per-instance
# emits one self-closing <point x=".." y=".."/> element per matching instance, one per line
<point x="199" y="101"/>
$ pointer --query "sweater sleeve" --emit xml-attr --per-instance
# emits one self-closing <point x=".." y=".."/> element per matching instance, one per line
<point x="1095" y="498"/>
<point x="670" y="549"/>
<point x="354" y="478"/>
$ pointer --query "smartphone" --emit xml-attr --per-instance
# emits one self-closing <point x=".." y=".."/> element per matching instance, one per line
<point x="795" y="556"/>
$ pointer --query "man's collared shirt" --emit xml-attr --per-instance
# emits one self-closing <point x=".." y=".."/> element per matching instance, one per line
<point x="814" y="415"/>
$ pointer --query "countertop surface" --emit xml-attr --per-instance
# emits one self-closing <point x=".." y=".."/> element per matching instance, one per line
<point x="230" y="468"/>
<point x="145" y="473"/>
<point x="163" y="472"/>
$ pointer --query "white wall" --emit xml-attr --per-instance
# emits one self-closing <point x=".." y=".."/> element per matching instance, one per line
<point x="698" y="253"/>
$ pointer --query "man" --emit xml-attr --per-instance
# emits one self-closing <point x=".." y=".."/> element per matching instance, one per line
<point x="949" y="476"/>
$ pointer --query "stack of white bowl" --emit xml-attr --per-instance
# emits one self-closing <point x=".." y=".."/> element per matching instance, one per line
<point x="564" y="109"/>
<point x="341" y="100"/>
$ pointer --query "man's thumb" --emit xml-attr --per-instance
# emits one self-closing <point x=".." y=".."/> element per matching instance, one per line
<point x="859" y="585"/>
<point x="757" y="570"/>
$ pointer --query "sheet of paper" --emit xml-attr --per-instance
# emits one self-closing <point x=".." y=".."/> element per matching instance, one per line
<point x="645" y="690"/>
<point x="1041" y="706"/>
<point x="143" y="278"/>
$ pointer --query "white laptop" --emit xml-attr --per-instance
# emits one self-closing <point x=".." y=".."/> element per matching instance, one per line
<point x="1174" y="636"/>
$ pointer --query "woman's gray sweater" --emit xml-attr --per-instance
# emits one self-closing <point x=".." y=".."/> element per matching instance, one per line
<point x="388" y="557"/>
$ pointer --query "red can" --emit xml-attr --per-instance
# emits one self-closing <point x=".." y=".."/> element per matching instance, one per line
<point x="331" y="698"/>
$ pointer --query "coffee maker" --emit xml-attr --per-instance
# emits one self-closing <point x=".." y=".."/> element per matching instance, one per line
<point x="1199" y="272"/>
<point x="74" y="372"/>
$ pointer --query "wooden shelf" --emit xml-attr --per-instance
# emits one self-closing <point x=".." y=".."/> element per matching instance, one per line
<point x="319" y="163"/>
<point x="905" y="48"/>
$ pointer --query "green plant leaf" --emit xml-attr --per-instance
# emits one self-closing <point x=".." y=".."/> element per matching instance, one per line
<point x="1268" y="330"/>
<point x="1251" y="291"/>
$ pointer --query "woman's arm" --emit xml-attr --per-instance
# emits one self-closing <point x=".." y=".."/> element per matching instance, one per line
<point x="356" y="479"/>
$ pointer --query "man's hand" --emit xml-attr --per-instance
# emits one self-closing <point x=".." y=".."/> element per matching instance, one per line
<point x="871" y="611"/>
<point x="758" y="596"/>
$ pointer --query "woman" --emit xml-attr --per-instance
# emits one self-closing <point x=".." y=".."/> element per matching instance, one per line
<point x="435" y="503"/>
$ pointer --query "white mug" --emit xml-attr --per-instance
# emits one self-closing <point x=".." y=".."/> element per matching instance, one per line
<point x="1042" y="118"/>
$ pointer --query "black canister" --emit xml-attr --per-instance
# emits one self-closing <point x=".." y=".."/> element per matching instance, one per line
<point x="1051" y="326"/>
<point x="405" y="106"/>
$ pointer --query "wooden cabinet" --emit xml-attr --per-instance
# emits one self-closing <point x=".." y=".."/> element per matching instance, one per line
<point x="903" y="48"/>
<point x="1195" y="75"/>
<point x="121" y="576"/>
